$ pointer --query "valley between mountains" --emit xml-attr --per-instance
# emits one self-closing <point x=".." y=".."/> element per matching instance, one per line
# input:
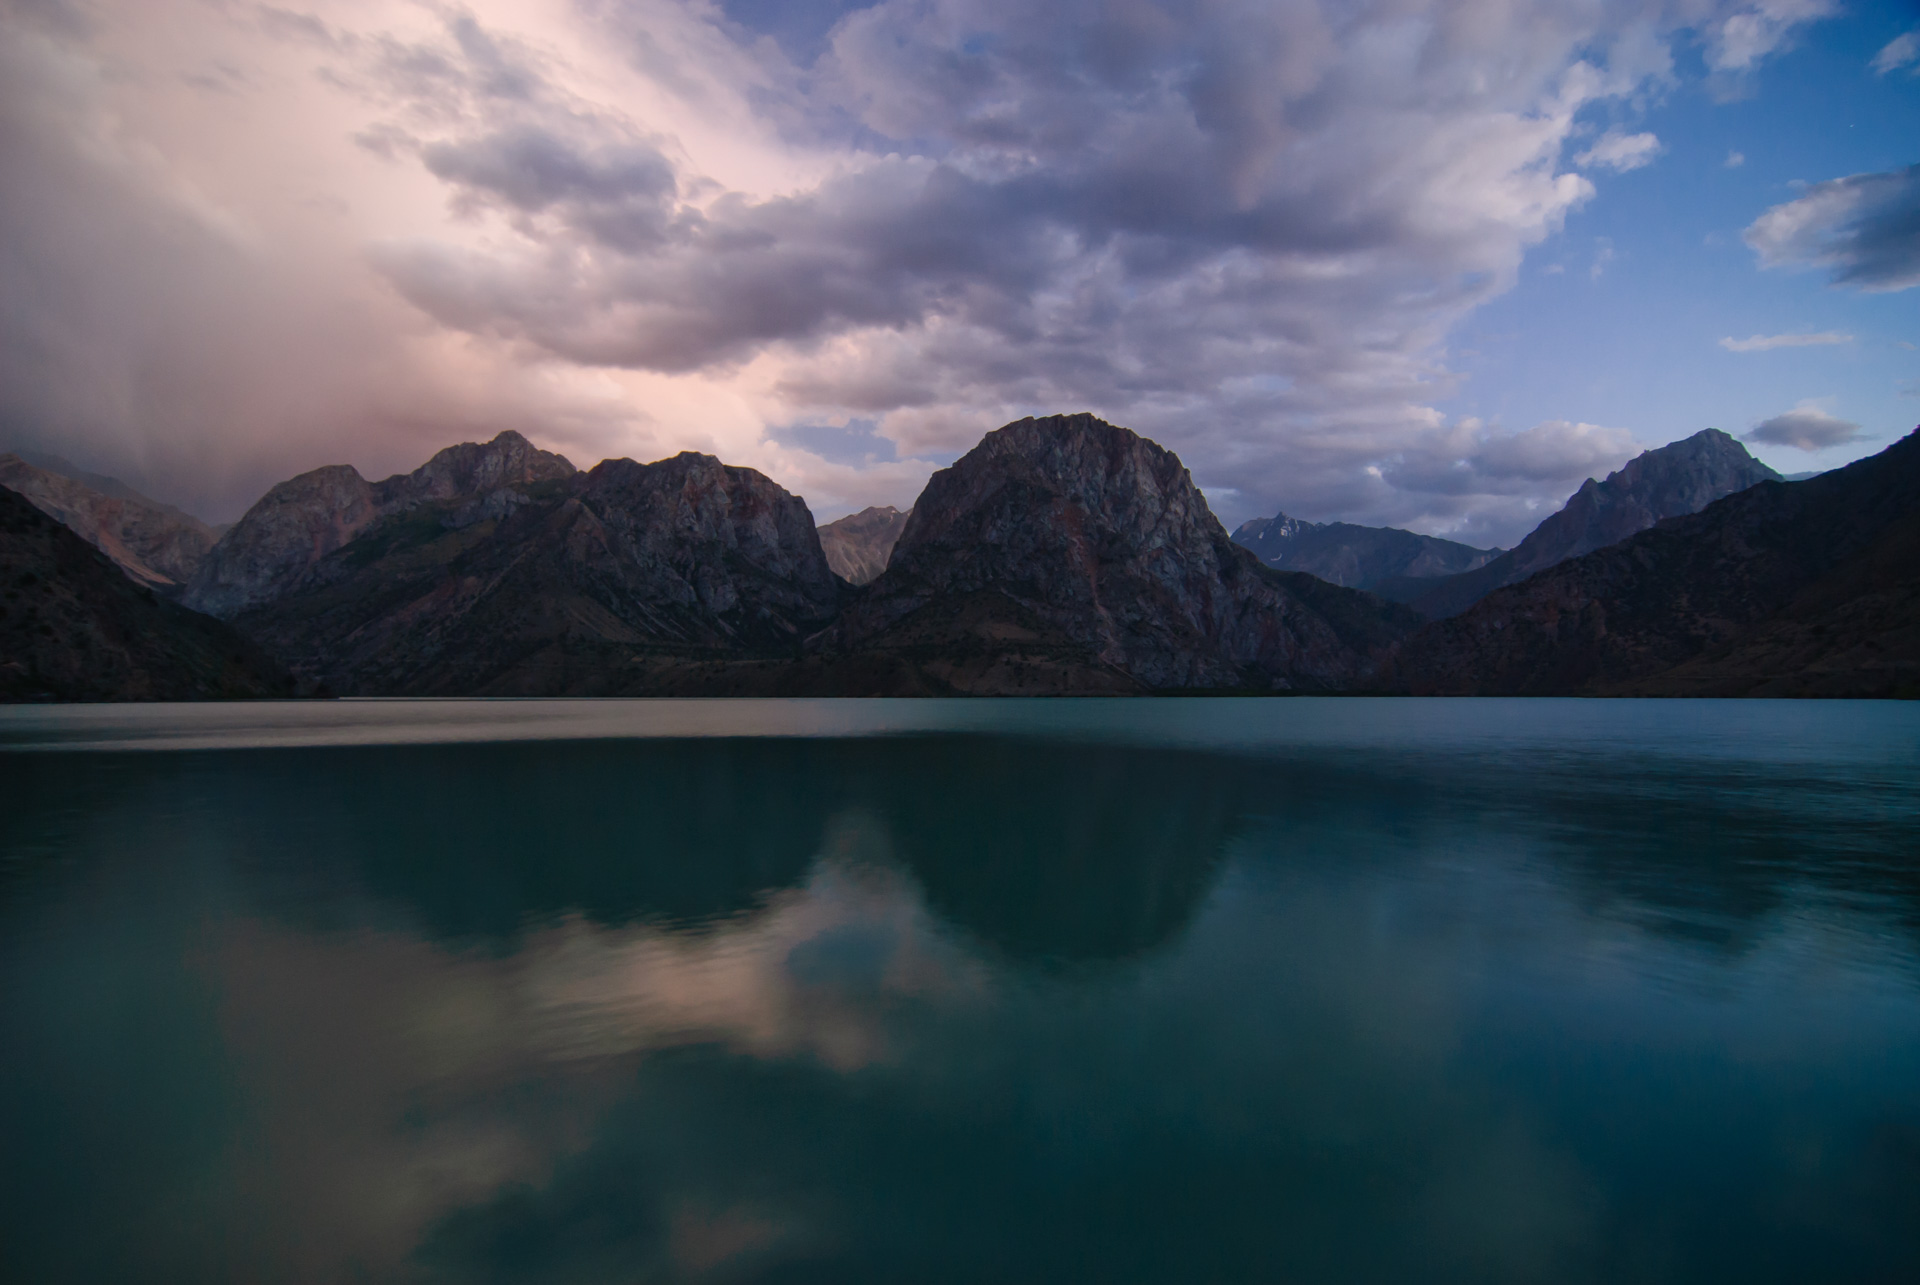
<point x="1061" y="556"/>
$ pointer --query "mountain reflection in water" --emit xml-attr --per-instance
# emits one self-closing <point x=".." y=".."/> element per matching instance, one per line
<point x="961" y="1006"/>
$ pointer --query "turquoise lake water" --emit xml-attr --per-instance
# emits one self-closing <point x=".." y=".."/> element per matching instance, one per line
<point x="969" y="991"/>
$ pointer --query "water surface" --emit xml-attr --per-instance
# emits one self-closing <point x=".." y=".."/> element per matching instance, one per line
<point x="892" y="991"/>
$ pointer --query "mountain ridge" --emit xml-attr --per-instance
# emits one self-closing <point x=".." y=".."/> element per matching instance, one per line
<point x="303" y="519"/>
<point x="1668" y="481"/>
<point x="1074" y="546"/>
<point x="1355" y="557"/>
<point x="153" y="543"/>
<point x="1782" y="589"/>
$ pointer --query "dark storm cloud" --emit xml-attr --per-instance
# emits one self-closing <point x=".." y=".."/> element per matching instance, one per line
<point x="1237" y="230"/>
<point x="1864" y="229"/>
<point x="1245" y="229"/>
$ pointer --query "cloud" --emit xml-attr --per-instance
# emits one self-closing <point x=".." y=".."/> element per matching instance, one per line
<point x="1766" y="343"/>
<point x="1864" y="228"/>
<point x="1899" y="52"/>
<point x="1741" y="40"/>
<point x="1620" y="152"/>
<point x="1735" y="160"/>
<point x="626" y="229"/>
<point x="1806" y="427"/>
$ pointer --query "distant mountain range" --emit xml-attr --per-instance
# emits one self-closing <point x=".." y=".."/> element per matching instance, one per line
<point x="1061" y="555"/>
<point x="1358" y="557"/>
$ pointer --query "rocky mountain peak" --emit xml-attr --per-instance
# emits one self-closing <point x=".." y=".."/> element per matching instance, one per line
<point x="1068" y="534"/>
<point x="858" y="545"/>
<point x="692" y="502"/>
<point x="1276" y="529"/>
<point x="302" y="520"/>
<point x="1668" y="482"/>
<point x="474" y="469"/>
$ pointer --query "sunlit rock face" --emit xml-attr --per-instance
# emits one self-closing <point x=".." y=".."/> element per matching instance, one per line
<point x="300" y="521"/>
<point x="858" y="545"/>
<point x="1670" y="482"/>
<point x="566" y="586"/>
<point x="155" y="544"/>
<point x="1070" y="544"/>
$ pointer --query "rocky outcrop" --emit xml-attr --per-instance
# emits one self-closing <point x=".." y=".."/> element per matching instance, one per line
<point x="1783" y="589"/>
<point x="858" y="545"/>
<point x="1672" y="481"/>
<point x="1067" y="554"/>
<point x="591" y="585"/>
<point x="73" y="627"/>
<point x="154" y="543"/>
<point x="284" y="536"/>
<point x="1358" y="557"/>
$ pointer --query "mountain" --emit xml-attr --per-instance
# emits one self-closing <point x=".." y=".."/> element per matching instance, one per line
<point x="280" y="539"/>
<point x="74" y="627"/>
<point x="1681" y="478"/>
<point x="1783" y="589"/>
<point x="1068" y="555"/>
<point x="154" y="543"/>
<point x="621" y="580"/>
<point x="1358" y="557"/>
<point x="110" y="486"/>
<point x="857" y="546"/>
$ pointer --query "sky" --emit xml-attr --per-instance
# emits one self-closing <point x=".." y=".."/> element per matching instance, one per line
<point x="1422" y="263"/>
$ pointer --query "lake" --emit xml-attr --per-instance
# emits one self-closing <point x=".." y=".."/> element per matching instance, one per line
<point x="969" y="991"/>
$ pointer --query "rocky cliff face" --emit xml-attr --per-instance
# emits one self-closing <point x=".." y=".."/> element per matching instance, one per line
<point x="1069" y="554"/>
<point x="1672" y="481"/>
<point x="587" y="585"/>
<point x="73" y="627"/>
<point x="154" y="543"/>
<point x="1358" y="557"/>
<point x="1782" y="589"/>
<point x="299" y="522"/>
<point x="858" y="546"/>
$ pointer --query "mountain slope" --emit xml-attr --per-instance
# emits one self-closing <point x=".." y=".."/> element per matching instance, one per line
<point x="858" y="545"/>
<point x="1801" y="588"/>
<point x="1358" y="557"/>
<point x="1670" y="481"/>
<point x="156" y="544"/>
<point x="73" y="627"/>
<point x="605" y="583"/>
<point x="1067" y="554"/>
<point x="302" y="520"/>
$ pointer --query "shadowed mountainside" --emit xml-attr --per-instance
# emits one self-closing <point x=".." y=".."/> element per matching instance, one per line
<point x="1358" y="557"/>
<point x="1674" y="480"/>
<point x="1067" y="554"/>
<point x="587" y="585"/>
<point x="73" y="627"/>
<point x="273" y="547"/>
<point x="1784" y="589"/>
